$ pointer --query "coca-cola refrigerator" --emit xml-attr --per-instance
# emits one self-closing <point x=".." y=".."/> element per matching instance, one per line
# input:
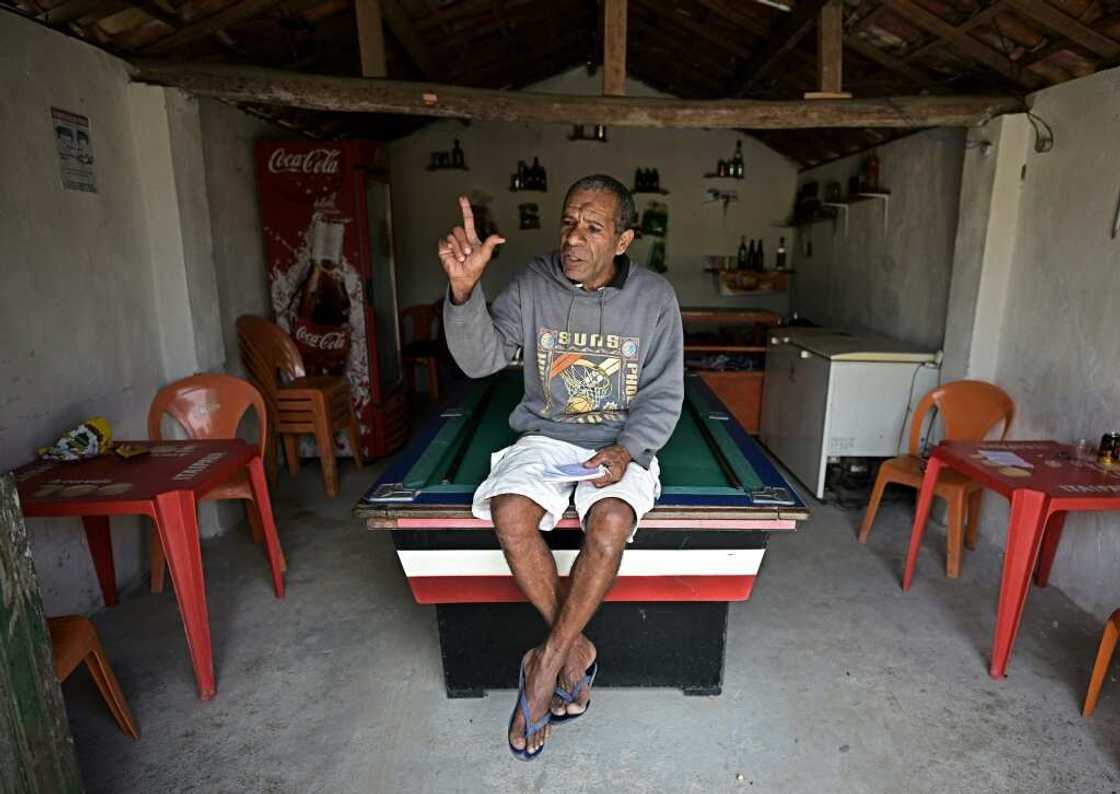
<point x="328" y="237"/>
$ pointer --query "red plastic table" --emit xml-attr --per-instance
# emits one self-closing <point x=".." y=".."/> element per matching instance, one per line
<point x="165" y="484"/>
<point x="1041" y="494"/>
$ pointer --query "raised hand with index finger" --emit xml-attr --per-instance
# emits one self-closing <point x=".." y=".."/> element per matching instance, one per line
<point x="464" y="257"/>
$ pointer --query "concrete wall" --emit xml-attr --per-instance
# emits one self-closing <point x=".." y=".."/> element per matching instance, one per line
<point x="77" y="311"/>
<point x="228" y="136"/>
<point x="1060" y="354"/>
<point x="106" y="297"/>
<point x="425" y="205"/>
<point x="892" y="280"/>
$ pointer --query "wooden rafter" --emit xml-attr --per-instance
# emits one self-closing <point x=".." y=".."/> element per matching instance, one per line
<point x="371" y="38"/>
<point x="227" y="17"/>
<point x="73" y="10"/>
<point x="405" y="32"/>
<point x="787" y="34"/>
<point x="614" y="47"/>
<point x="963" y="42"/>
<point x="360" y="95"/>
<point x="734" y="12"/>
<point x="911" y="73"/>
<point x="1071" y="28"/>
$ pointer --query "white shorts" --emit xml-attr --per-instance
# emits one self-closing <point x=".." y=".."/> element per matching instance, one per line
<point x="517" y="470"/>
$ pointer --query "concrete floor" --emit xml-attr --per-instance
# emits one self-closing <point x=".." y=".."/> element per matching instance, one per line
<point x="835" y="681"/>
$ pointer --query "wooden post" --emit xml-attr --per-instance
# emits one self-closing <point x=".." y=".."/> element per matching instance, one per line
<point x="371" y="38"/>
<point x="36" y="749"/>
<point x="830" y="53"/>
<point x="614" y="47"/>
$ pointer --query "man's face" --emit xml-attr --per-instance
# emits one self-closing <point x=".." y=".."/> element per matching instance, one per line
<point x="589" y="240"/>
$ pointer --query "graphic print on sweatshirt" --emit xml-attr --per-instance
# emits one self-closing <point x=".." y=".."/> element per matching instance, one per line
<point x="587" y="377"/>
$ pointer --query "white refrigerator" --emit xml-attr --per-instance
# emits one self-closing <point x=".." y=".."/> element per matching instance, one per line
<point x="832" y="394"/>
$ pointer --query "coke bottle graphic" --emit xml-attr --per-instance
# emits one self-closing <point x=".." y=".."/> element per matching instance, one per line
<point x="321" y="322"/>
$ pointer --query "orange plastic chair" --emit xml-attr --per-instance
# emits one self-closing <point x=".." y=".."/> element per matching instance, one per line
<point x="209" y="406"/>
<point x="1100" y="667"/>
<point x="74" y="640"/>
<point x="298" y="403"/>
<point x="968" y="410"/>
<point x="423" y="348"/>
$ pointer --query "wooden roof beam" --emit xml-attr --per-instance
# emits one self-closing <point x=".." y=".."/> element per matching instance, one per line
<point x="364" y="95"/>
<point x="787" y="34"/>
<point x="371" y="37"/>
<point x="73" y="10"/>
<point x="614" y="47"/>
<point x="227" y="17"/>
<point x="907" y="71"/>
<point x="405" y="32"/>
<point x="962" y="42"/>
<point x="1071" y="28"/>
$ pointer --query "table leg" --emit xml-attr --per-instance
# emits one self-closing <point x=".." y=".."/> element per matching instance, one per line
<point x="101" y="550"/>
<point x="1024" y="536"/>
<point x="1050" y="542"/>
<point x="263" y="505"/>
<point x="177" y="523"/>
<point x="921" y="513"/>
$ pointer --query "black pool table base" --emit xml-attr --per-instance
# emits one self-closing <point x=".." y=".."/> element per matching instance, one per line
<point x="677" y="645"/>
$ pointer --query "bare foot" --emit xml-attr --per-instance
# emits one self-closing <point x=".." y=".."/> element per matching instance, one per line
<point x="581" y="657"/>
<point x="540" y="686"/>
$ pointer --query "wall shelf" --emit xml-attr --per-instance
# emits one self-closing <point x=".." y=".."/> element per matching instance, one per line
<point x="658" y="192"/>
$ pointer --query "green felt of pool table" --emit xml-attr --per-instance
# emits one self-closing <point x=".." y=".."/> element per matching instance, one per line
<point x="481" y="422"/>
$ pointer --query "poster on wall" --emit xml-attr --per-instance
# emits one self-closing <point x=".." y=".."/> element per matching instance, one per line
<point x="75" y="150"/>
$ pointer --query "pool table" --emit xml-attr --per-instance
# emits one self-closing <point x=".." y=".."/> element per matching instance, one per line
<point x="665" y="620"/>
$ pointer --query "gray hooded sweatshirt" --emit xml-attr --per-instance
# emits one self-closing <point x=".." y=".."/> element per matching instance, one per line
<point x="601" y="368"/>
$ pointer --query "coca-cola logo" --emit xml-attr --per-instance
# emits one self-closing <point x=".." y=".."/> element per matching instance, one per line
<point x="316" y="161"/>
<point x="328" y="340"/>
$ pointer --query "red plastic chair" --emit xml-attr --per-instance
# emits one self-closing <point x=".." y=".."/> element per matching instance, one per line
<point x="209" y="406"/>
<point x="968" y="410"/>
<point x="423" y="346"/>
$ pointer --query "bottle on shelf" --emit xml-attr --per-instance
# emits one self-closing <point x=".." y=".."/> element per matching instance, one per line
<point x="750" y="256"/>
<point x="780" y="259"/>
<point x="457" y="159"/>
<point x="760" y="258"/>
<point x="736" y="169"/>
<point x="741" y="259"/>
<point x="655" y="180"/>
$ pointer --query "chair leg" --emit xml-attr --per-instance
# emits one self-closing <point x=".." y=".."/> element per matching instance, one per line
<point x="252" y="513"/>
<point x="325" y="440"/>
<point x="270" y="456"/>
<point x="410" y="377"/>
<point x="254" y="522"/>
<point x="110" y="688"/>
<point x="355" y="438"/>
<point x="873" y="506"/>
<point x="955" y="538"/>
<point x="433" y="378"/>
<point x="157" y="563"/>
<point x="973" y="524"/>
<point x="1100" y="667"/>
<point x="291" y="453"/>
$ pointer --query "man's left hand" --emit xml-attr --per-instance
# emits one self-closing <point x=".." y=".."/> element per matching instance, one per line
<point x="614" y="459"/>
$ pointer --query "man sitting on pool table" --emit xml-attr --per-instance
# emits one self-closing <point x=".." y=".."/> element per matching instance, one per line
<point x="604" y="384"/>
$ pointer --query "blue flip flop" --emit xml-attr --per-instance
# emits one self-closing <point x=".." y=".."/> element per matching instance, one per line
<point x="570" y="697"/>
<point x="530" y="726"/>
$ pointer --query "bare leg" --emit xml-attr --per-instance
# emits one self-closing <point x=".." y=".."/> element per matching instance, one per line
<point x="609" y="523"/>
<point x="517" y="524"/>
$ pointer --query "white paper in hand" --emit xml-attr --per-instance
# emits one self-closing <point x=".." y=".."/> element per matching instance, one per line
<point x="572" y="472"/>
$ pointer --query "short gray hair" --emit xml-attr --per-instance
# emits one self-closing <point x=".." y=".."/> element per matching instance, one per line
<point x="626" y="216"/>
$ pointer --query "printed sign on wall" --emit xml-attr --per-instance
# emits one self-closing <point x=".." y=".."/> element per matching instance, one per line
<point x="75" y="150"/>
